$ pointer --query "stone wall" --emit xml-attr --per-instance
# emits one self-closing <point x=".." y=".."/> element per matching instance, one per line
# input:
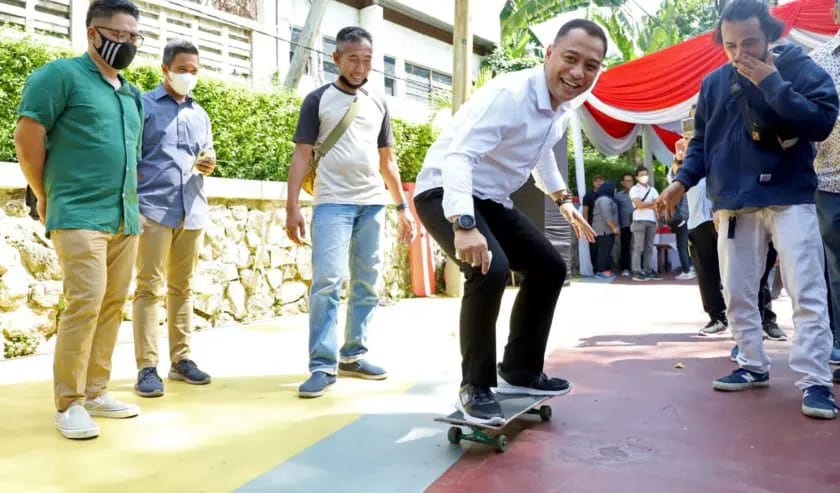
<point x="248" y="269"/>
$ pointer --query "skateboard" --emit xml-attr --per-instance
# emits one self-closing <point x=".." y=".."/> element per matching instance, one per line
<point x="513" y="406"/>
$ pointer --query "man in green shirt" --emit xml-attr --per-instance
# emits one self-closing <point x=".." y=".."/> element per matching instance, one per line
<point x="78" y="140"/>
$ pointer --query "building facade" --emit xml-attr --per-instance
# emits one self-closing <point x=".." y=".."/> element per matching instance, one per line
<point x="252" y="41"/>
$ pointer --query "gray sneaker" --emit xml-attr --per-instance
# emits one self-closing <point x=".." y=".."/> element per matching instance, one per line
<point x="187" y="371"/>
<point x="362" y="369"/>
<point x="316" y="385"/>
<point x="773" y="332"/>
<point x="148" y="383"/>
<point x="714" y="327"/>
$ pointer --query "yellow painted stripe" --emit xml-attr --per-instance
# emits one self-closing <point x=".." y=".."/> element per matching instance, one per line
<point x="196" y="438"/>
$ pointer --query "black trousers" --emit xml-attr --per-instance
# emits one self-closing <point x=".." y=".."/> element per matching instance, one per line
<point x="703" y="243"/>
<point x="517" y="244"/>
<point x="605" y="246"/>
<point x="626" y="248"/>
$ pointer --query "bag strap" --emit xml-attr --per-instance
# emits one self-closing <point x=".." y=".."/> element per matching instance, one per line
<point x="737" y="93"/>
<point x="339" y="129"/>
<point x="646" y="194"/>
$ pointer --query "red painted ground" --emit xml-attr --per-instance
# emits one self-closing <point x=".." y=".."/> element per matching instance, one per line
<point x="635" y="423"/>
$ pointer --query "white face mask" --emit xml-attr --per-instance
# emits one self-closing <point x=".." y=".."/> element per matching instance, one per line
<point x="182" y="83"/>
<point x="643" y="180"/>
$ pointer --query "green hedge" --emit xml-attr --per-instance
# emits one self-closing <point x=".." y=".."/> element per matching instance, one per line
<point x="252" y="130"/>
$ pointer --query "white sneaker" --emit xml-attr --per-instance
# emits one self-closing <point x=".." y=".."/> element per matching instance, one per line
<point x="686" y="276"/>
<point x="107" y="406"/>
<point x="75" y="423"/>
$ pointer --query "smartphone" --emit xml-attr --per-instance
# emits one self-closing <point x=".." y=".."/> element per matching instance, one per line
<point x="687" y="126"/>
<point x="207" y="153"/>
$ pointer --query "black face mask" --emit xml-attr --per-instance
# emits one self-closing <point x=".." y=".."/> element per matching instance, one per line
<point x="349" y="84"/>
<point x="117" y="55"/>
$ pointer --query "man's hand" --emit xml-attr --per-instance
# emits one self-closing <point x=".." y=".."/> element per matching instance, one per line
<point x="407" y="226"/>
<point x="295" y="226"/>
<point x="578" y="223"/>
<point x="471" y="247"/>
<point x="41" y="207"/>
<point x="206" y="166"/>
<point x="754" y="69"/>
<point x="671" y="196"/>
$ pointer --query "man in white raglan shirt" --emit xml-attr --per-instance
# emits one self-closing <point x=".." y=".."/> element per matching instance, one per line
<point x="506" y="131"/>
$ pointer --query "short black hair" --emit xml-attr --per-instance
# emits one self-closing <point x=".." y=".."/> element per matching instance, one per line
<point x="176" y="46"/>
<point x="588" y="26"/>
<point x="109" y="8"/>
<point x="641" y="168"/>
<point x="625" y="175"/>
<point x="742" y="10"/>
<point x="596" y="178"/>
<point x="352" y="34"/>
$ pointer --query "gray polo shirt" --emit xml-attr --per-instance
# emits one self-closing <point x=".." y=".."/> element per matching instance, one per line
<point x="605" y="210"/>
<point x="173" y="135"/>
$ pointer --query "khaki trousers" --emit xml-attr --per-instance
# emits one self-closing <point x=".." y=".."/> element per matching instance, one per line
<point x="171" y="255"/>
<point x="97" y="274"/>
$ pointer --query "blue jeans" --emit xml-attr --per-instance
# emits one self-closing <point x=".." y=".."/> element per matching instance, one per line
<point x="681" y="234"/>
<point x="343" y="234"/>
<point x="828" y="214"/>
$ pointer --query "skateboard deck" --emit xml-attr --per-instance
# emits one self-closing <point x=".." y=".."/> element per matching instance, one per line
<point x="513" y="406"/>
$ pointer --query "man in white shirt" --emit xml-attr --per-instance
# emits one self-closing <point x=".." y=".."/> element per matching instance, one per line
<point x="644" y="196"/>
<point x="506" y="131"/>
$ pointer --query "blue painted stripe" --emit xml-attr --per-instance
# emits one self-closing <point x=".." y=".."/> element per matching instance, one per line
<point x="395" y="451"/>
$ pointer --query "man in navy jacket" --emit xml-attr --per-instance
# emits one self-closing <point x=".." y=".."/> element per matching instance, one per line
<point x="757" y="117"/>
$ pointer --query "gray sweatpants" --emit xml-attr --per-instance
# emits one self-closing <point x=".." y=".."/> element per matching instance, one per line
<point x="643" y="235"/>
<point x="795" y="234"/>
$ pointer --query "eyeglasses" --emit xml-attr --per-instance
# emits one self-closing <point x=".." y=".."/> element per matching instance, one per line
<point x="123" y="36"/>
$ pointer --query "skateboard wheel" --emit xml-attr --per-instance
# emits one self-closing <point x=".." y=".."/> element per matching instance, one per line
<point x="545" y="413"/>
<point x="454" y="435"/>
<point x="500" y="442"/>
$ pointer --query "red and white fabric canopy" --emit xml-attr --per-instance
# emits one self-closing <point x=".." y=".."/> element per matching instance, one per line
<point x="650" y="95"/>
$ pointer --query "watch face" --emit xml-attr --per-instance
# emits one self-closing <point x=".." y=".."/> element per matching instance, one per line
<point x="466" y="222"/>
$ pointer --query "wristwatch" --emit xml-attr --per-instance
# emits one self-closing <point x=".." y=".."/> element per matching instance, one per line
<point x="464" y="221"/>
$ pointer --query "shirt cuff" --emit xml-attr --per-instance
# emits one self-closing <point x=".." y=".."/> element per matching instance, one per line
<point x="457" y="204"/>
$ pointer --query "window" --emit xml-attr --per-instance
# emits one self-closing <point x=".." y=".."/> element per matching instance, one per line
<point x="295" y="39"/>
<point x="418" y="84"/>
<point x="390" y="76"/>
<point x="441" y="86"/>
<point x="422" y="82"/>
<point x="330" y="69"/>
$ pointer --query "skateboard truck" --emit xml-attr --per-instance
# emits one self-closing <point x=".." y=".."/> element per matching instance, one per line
<point x="478" y="435"/>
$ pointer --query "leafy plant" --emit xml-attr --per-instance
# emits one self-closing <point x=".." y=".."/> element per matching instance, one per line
<point x="517" y="17"/>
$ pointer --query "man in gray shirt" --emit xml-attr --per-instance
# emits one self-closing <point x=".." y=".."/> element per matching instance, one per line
<point x="625" y="218"/>
<point x="174" y="212"/>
